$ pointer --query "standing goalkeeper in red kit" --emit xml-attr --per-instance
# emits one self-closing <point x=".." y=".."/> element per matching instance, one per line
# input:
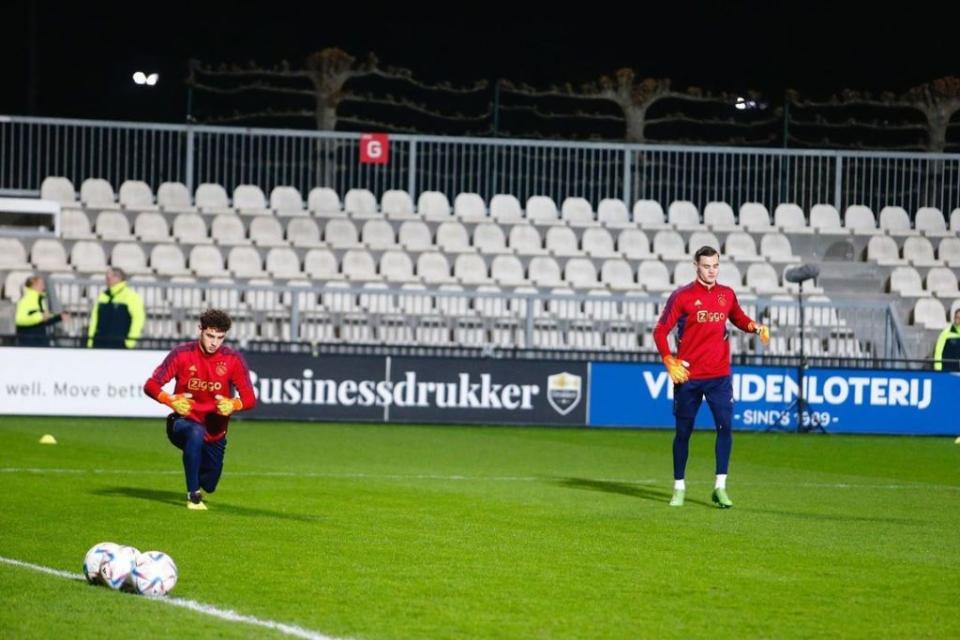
<point x="701" y="368"/>
<point x="207" y="374"/>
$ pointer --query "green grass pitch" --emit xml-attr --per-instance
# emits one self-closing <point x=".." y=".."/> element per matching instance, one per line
<point x="381" y="532"/>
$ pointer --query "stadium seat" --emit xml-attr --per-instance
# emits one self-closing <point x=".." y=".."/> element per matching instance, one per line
<point x="488" y="238"/>
<point x="360" y="203"/>
<point x="452" y="302"/>
<point x="227" y="229"/>
<point x="470" y="269"/>
<point x="206" y="262"/>
<point x="75" y="225"/>
<point x="505" y="208"/>
<point x="598" y="243"/>
<point x="415" y="236"/>
<point x="338" y="298"/>
<point x="949" y="252"/>
<point x="433" y="204"/>
<point x="286" y="201"/>
<point x="919" y="251"/>
<point x="942" y="282"/>
<point x="562" y="305"/>
<point x="883" y="250"/>
<point x="469" y="206"/>
<point x="639" y="307"/>
<point x="507" y="271"/>
<point x="894" y="221"/>
<point x="397" y="204"/>
<point x="633" y="244"/>
<point x="397" y="266"/>
<point x="413" y="299"/>
<point x="14" y="282"/>
<point x="189" y="228"/>
<point x="249" y="200"/>
<point x="97" y="193"/>
<point x="576" y="211"/>
<point x="730" y="276"/>
<point x="524" y="239"/>
<point x="377" y="234"/>
<point x="741" y="247"/>
<point x="341" y="234"/>
<point x="683" y="214"/>
<point x="684" y="273"/>
<point x="88" y="257"/>
<point x="226" y="296"/>
<point x="580" y="273"/>
<point x="168" y="260"/>
<point x="653" y="276"/>
<point x="376" y="298"/>
<point x="826" y="219"/>
<point x="212" y="198"/>
<point x="13" y="256"/>
<point x="358" y="265"/>
<point x="790" y="219"/>
<point x="860" y="220"/>
<point x="931" y="222"/>
<point x="433" y="268"/>
<point x="906" y="282"/>
<point x="762" y="279"/>
<point x="452" y="237"/>
<point x="282" y="263"/>
<point x="130" y="257"/>
<point x="58" y="189"/>
<point x="754" y="217"/>
<point x="930" y="314"/>
<point x="136" y="195"/>
<point x="542" y="210"/>
<point x="151" y="227"/>
<point x="245" y="262"/>
<point x="544" y="272"/>
<point x="600" y="305"/>
<point x="618" y="275"/>
<point x="955" y="220"/>
<point x="174" y="197"/>
<point x="324" y="202"/>
<point x="489" y="305"/>
<point x="48" y="254"/>
<point x="613" y="213"/>
<point x="113" y="225"/>
<point x="699" y="239"/>
<point x="648" y="214"/>
<point x="182" y="295"/>
<point x="263" y="298"/>
<point x="303" y="232"/>
<point x="562" y="241"/>
<point x="668" y="245"/>
<point x="719" y="217"/>
<point x="321" y="264"/>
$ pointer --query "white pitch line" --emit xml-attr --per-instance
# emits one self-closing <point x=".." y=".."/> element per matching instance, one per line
<point x="192" y="605"/>
<point x="399" y="476"/>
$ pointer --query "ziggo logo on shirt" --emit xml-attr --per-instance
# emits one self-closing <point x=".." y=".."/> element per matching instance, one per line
<point x="196" y="384"/>
<point x="711" y="316"/>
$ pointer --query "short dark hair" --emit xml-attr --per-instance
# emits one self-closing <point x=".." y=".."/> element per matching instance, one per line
<point x="32" y="280"/>
<point x="215" y="319"/>
<point x="120" y="273"/>
<point x="705" y="250"/>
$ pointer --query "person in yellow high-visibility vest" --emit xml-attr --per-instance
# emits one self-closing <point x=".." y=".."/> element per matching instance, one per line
<point x="33" y="319"/>
<point x="117" y="318"/>
<point x="946" y="354"/>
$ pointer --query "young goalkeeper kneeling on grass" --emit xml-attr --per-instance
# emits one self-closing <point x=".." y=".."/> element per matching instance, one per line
<point x="206" y="374"/>
<point x="701" y="368"/>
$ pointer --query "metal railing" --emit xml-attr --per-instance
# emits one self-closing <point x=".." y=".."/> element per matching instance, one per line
<point x="34" y="148"/>
<point x="345" y="314"/>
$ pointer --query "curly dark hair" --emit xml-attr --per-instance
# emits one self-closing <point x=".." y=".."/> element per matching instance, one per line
<point x="215" y="319"/>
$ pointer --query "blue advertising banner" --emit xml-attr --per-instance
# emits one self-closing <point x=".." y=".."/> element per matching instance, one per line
<point x="838" y="400"/>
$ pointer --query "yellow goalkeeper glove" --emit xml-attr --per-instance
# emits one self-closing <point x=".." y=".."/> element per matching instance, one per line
<point x="761" y="330"/>
<point x="226" y="406"/>
<point x="181" y="403"/>
<point x="677" y="369"/>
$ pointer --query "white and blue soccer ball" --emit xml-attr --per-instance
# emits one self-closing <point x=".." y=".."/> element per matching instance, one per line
<point x="117" y="566"/>
<point x="94" y="560"/>
<point x="155" y="574"/>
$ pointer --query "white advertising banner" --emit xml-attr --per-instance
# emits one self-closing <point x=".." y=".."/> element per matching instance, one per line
<point x="78" y="382"/>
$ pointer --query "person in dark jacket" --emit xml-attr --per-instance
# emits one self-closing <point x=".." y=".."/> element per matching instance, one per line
<point x="33" y="318"/>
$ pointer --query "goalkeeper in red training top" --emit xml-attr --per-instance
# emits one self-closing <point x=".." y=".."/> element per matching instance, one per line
<point x="701" y="368"/>
<point x="207" y="374"/>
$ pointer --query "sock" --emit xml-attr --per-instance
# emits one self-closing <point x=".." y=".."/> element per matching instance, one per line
<point x="721" y="481"/>
<point x="679" y="485"/>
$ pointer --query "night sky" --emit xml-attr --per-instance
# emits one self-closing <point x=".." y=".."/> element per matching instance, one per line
<point x="84" y="56"/>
